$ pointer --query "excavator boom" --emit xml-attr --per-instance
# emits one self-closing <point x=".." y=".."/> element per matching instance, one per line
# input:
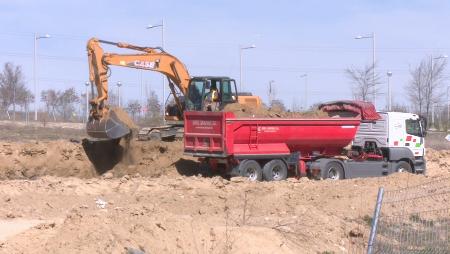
<point x="109" y="123"/>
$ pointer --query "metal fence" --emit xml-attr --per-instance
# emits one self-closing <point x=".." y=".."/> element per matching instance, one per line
<point x="412" y="220"/>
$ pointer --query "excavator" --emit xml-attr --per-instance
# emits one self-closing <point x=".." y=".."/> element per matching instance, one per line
<point x="204" y="93"/>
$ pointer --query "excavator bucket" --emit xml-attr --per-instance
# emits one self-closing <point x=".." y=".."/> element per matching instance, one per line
<point x="114" y="125"/>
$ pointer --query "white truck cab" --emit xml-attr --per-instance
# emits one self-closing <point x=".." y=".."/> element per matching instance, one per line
<point x="406" y="130"/>
<point x="398" y="138"/>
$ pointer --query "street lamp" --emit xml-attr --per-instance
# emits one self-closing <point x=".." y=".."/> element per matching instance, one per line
<point x="371" y="36"/>
<point x="36" y="38"/>
<point x="389" y="75"/>
<point x="432" y="80"/>
<point x="119" y="84"/>
<point x="163" y="78"/>
<point x="271" y="91"/>
<point x="240" y="63"/>
<point x="305" y="76"/>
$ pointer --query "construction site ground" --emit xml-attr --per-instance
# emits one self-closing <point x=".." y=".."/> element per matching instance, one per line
<point x="53" y="200"/>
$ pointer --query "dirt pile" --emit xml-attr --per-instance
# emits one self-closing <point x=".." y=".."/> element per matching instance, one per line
<point x="28" y="160"/>
<point x="192" y="214"/>
<point x="438" y="162"/>
<point x="247" y="111"/>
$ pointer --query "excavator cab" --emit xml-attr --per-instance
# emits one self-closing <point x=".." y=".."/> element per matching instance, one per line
<point x="210" y="93"/>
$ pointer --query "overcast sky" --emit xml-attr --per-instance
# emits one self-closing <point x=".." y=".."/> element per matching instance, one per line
<point x="292" y="38"/>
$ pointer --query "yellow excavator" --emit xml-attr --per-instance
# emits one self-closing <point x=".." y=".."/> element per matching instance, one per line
<point x="205" y="93"/>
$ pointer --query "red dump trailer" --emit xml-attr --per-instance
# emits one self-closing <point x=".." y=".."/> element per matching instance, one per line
<point x="269" y="148"/>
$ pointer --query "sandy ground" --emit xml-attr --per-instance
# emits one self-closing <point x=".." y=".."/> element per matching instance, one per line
<point x="53" y="200"/>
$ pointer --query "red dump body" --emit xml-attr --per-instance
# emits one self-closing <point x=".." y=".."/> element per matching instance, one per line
<point x="221" y="134"/>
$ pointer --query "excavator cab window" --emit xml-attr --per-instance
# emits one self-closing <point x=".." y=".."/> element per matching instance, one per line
<point x="228" y="91"/>
<point x="195" y="95"/>
<point x="212" y="90"/>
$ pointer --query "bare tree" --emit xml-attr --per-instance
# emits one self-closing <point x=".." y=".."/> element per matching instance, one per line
<point x="50" y="98"/>
<point x="60" y="102"/>
<point x="67" y="99"/>
<point x="154" y="107"/>
<point x="364" y="86"/>
<point x="277" y="105"/>
<point x="424" y="88"/>
<point x="133" y="107"/>
<point x="12" y="88"/>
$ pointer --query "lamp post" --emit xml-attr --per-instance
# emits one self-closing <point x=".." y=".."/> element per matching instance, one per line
<point x="371" y="36"/>
<point x="119" y="84"/>
<point x="240" y="63"/>
<point x="87" y="99"/>
<point x="36" y="38"/>
<point x="271" y="91"/>
<point x="305" y="76"/>
<point x="389" y="102"/>
<point x="432" y="80"/>
<point x="163" y="79"/>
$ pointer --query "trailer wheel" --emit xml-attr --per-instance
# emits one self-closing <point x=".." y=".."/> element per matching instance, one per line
<point x="251" y="170"/>
<point x="275" y="170"/>
<point x="204" y="169"/>
<point x="333" y="170"/>
<point x="403" y="166"/>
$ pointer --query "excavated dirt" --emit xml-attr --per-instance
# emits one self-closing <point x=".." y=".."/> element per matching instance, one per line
<point x="247" y="111"/>
<point x="28" y="160"/>
<point x="190" y="214"/>
<point x="124" y="117"/>
<point x="438" y="162"/>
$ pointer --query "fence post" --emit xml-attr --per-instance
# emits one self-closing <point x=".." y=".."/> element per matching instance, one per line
<point x="376" y="215"/>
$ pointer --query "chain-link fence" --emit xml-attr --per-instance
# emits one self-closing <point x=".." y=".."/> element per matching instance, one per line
<point x="412" y="220"/>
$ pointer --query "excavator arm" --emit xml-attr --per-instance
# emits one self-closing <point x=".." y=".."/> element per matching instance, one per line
<point x="152" y="59"/>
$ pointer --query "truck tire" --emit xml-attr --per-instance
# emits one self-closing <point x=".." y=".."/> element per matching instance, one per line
<point x="333" y="170"/>
<point x="275" y="170"/>
<point x="403" y="166"/>
<point x="204" y="169"/>
<point x="251" y="170"/>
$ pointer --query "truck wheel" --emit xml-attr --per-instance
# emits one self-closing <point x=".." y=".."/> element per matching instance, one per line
<point x="333" y="170"/>
<point x="403" y="166"/>
<point x="204" y="169"/>
<point x="275" y="170"/>
<point x="251" y="170"/>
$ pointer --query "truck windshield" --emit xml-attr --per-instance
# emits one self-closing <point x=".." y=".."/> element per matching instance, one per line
<point x="413" y="128"/>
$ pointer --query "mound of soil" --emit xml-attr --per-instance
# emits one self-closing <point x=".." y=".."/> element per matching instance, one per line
<point x="192" y="214"/>
<point x="240" y="110"/>
<point x="28" y="160"/>
<point x="438" y="162"/>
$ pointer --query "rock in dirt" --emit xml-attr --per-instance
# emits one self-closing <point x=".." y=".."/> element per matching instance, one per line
<point x="356" y="232"/>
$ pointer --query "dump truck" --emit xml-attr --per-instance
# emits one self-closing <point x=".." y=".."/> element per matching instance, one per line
<point x="353" y="141"/>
